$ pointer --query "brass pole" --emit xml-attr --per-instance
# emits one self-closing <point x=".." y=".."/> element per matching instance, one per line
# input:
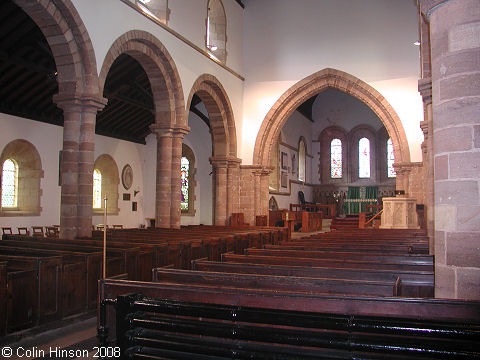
<point x="105" y="239"/>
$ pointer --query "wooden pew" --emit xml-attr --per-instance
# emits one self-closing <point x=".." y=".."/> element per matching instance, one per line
<point x="412" y="283"/>
<point x="326" y="262"/>
<point x="3" y="297"/>
<point x="308" y="285"/>
<point x="318" y="254"/>
<point x="34" y="290"/>
<point x="195" y="321"/>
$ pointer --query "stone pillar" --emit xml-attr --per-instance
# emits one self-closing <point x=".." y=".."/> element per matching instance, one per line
<point x="175" y="213"/>
<point x="163" y="197"/>
<point x="403" y="176"/>
<point x="233" y="194"/>
<point x="455" y="50"/>
<point x="220" y="165"/>
<point x="261" y="190"/>
<point x="425" y="89"/>
<point x="77" y="163"/>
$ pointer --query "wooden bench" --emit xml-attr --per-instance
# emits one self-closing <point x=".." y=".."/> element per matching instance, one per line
<point x="34" y="290"/>
<point x="191" y="322"/>
<point x="326" y="262"/>
<point x="308" y="285"/>
<point x="412" y="283"/>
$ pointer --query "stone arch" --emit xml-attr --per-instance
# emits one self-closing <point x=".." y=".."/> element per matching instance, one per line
<point x="161" y="71"/>
<point x="314" y="84"/>
<point x="80" y="100"/>
<point x="170" y="123"/>
<point x="71" y="46"/>
<point x="226" y="166"/>
<point x="220" y="112"/>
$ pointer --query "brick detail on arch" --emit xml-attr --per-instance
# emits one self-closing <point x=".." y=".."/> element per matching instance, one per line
<point x="161" y="71"/>
<point x="224" y="159"/>
<point x="315" y="84"/>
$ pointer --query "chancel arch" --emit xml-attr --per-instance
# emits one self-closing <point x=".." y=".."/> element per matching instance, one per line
<point x="168" y="122"/>
<point x="224" y="161"/>
<point x="314" y="85"/>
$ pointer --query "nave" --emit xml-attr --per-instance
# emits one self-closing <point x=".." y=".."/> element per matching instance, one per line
<point x="252" y="292"/>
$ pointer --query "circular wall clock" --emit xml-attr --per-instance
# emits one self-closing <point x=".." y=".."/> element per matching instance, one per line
<point x="127" y="176"/>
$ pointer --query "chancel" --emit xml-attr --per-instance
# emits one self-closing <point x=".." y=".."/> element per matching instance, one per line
<point x="274" y="170"/>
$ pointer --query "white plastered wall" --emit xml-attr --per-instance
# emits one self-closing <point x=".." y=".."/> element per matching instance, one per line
<point x="286" y="41"/>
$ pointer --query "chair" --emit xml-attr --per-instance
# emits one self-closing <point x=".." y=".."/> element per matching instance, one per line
<point x="51" y="232"/>
<point x="38" y="231"/>
<point x="7" y="230"/>
<point x="23" y="231"/>
<point x="301" y="200"/>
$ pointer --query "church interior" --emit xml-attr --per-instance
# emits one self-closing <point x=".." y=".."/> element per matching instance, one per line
<point x="218" y="179"/>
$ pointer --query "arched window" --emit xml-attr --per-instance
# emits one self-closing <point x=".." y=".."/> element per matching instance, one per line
<point x="390" y="159"/>
<point x="21" y="174"/>
<point x="187" y="169"/>
<point x="105" y="183"/>
<point x="364" y="158"/>
<point x="302" y="150"/>
<point x="336" y="159"/>
<point x="155" y="8"/>
<point x="9" y="183"/>
<point x="216" y="38"/>
<point x="97" y="189"/>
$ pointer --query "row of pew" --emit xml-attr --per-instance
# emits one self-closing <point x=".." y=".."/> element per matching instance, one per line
<point x="347" y="294"/>
<point x="47" y="279"/>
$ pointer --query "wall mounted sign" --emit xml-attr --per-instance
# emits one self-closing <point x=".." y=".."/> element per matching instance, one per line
<point x="127" y="176"/>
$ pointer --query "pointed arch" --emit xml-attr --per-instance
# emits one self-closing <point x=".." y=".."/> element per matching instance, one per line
<point x="315" y="84"/>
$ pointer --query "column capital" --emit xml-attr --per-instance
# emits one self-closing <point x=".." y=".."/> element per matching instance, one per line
<point x="161" y="131"/>
<point x="403" y="168"/>
<point x="427" y="7"/>
<point x="219" y="161"/>
<point x="425" y="90"/>
<point x="81" y="101"/>
<point x="180" y="131"/>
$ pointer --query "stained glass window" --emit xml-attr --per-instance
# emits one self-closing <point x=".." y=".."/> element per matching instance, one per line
<point x="336" y="159"/>
<point x="301" y="160"/>
<point x="185" y="170"/>
<point x="97" y="189"/>
<point x="390" y="160"/>
<point x="9" y="183"/>
<point x="364" y="158"/>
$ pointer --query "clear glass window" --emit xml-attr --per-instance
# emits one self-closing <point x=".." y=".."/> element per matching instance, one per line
<point x="9" y="183"/>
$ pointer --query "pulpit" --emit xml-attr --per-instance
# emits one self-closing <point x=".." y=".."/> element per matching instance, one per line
<point x="399" y="213"/>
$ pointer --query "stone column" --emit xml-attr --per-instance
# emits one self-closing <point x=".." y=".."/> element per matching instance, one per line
<point x="163" y="198"/>
<point x="425" y="89"/>
<point x="455" y="50"/>
<point x="175" y="213"/>
<point x="219" y="165"/>
<point x="403" y="173"/>
<point x="77" y="163"/>
<point x="233" y="177"/>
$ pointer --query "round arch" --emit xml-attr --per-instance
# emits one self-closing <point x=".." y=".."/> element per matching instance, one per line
<point x="226" y="165"/>
<point x="219" y="109"/>
<point x="161" y="71"/>
<point x="71" y="46"/>
<point x="315" y="84"/>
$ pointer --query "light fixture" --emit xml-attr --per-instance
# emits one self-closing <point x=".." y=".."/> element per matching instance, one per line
<point x="416" y="43"/>
<point x="213" y="48"/>
<point x="144" y="1"/>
